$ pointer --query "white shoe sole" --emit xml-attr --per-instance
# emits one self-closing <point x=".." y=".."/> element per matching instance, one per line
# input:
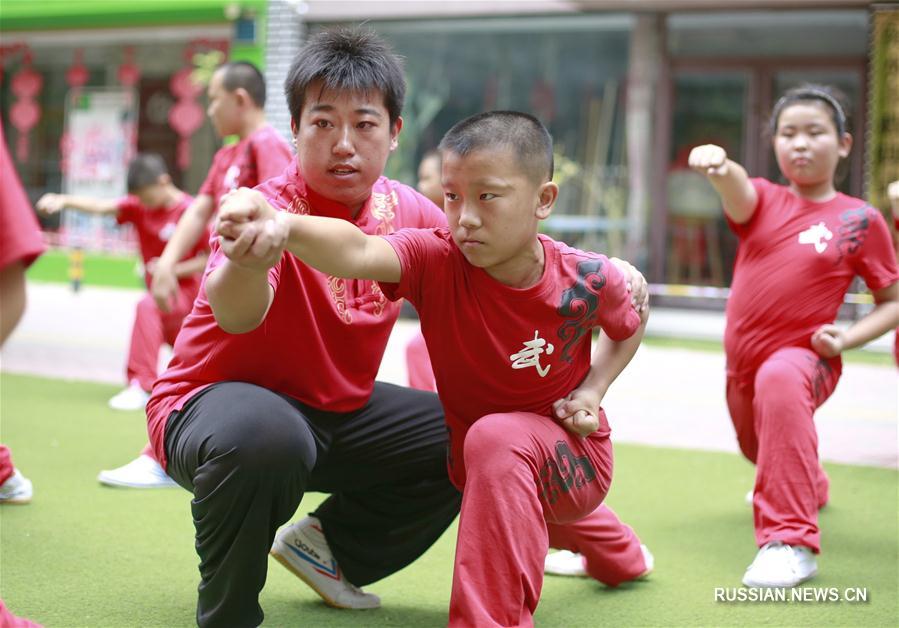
<point x="114" y="483"/>
<point x="749" y="582"/>
<point x="279" y="552"/>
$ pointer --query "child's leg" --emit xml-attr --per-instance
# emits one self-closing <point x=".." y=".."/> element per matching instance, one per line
<point x="522" y="470"/>
<point x="610" y="548"/>
<point x="418" y="364"/>
<point x="6" y="467"/>
<point x="789" y="387"/>
<point x="147" y="337"/>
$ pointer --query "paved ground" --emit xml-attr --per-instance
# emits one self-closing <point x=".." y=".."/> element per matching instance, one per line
<point x="666" y="397"/>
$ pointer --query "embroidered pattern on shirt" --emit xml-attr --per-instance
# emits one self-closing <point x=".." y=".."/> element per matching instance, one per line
<point x="816" y="235"/>
<point x="382" y="208"/>
<point x="530" y="355"/>
<point x="299" y="205"/>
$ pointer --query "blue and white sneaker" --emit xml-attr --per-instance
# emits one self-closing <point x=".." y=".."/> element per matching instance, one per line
<point x="303" y="549"/>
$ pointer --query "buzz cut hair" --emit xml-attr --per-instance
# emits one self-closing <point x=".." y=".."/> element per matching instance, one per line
<point x="521" y="133"/>
<point x="346" y="59"/>
<point x="145" y="169"/>
<point x="245" y="75"/>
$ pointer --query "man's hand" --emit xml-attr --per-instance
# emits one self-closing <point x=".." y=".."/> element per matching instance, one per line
<point x="258" y="245"/>
<point x="636" y="283"/>
<point x="241" y="207"/>
<point x="51" y="203"/>
<point x="828" y="341"/>
<point x="578" y="412"/>
<point x="252" y="233"/>
<point x="709" y="159"/>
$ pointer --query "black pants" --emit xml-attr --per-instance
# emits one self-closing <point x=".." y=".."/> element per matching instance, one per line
<point x="248" y="455"/>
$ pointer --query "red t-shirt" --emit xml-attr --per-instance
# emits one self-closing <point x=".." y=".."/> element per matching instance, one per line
<point x="795" y="262"/>
<point x="258" y="157"/>
<point x="500" y="349"/>
<point x="154" y="227"/>
<point x="323" y="337"/>
<point x="20" y="234"/>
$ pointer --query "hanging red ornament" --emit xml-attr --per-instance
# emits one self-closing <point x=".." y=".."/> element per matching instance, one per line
<point x="25" y="112"/>
<point x="186" y="115"/>
<point x="77" y="75"/>
<point x="129" y="73"/>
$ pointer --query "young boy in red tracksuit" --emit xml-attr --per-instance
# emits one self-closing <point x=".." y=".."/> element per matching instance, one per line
<point x="508" y="317"/>
<point x="153" y="207"/>
<point x="801" y="245"/>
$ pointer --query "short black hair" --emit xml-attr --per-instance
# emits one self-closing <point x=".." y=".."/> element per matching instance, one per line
<point x="346" y="59"/>
<point x="145" y="169"/>
<point x="831" y="97"/>
<point x="519" y="132"/>
<point x="243" y="74"/>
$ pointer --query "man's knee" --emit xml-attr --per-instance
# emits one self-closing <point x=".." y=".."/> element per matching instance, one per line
<point x="491" y="442"/>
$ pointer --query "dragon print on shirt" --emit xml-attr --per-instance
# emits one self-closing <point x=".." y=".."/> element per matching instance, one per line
<point x="852" y="231"/>
<point x="579" y="304"/>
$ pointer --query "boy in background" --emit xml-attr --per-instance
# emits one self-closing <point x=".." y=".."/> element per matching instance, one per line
<point x="153" y="207"/>
<point x="236" y="107"/>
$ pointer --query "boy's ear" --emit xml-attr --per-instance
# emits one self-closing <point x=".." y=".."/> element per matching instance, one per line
<point x="164" y="179"/>
<point x="243" y="97"/>
<point x="395" y="129"/>
<point x="547" y="194"/>
<point x="845" y="146"/>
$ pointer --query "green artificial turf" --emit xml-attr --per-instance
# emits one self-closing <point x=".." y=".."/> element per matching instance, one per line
<point x="111" y="271"/>
<point x="86" y="555"/>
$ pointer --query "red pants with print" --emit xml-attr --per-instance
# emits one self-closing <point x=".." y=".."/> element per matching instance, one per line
<point x="6" y="466"/>
<point x="153" y="328"/>
<point x="531" y="485"/>
<point x="773" y="414"/>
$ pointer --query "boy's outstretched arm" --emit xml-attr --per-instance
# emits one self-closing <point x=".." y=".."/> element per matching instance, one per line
<point x="333" y="246"/>
<point x="829" y="340"/>
<point x="52" y="203"/>
<point x="191" y="226"/>
<point x="729" y="179"/>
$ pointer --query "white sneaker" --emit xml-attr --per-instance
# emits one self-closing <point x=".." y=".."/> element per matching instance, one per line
<point x="131" y="398"/>
<point x="303" y="549"/>
<point x="567" y="563"/>
<point x="781" y="565"/>
<point x="648" y="559"/>
<point x="749" y="496"/>
<point x="16" y="490"/>
<point x="564" y="563"/>
<point x="142" y="472"/>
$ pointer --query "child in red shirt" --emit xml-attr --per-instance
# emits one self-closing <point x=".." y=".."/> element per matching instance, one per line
<point x="801" y="245"/>
<point x="508" y="317"/>
<point x="154" y="206"/>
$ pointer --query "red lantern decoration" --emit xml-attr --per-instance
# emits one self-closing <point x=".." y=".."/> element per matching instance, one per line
<point x="77" y="74"/>
<point x="186" y="116"/>
<point x="129" y="73"/>
<point x="25" y="112"/>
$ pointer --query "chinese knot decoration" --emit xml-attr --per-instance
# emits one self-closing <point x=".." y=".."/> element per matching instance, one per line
<point x="25" y="112"/>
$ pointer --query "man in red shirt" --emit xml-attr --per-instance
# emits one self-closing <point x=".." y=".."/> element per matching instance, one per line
<point x="236" y="107"/>
<point x="154" y="206"/>
<point x="252" y="414"/>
